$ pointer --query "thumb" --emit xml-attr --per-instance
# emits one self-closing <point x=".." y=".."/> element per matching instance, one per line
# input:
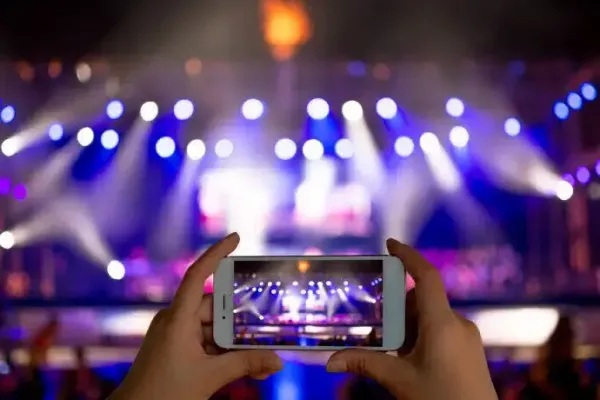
<point x="389" y="371"/>
<point x="237" y="364"/>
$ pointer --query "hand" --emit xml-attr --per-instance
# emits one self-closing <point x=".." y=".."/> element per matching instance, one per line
<point x="443" y="356"/>
<point x="178" y="359"/>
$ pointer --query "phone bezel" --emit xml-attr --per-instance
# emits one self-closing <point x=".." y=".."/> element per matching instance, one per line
<point x="394" y="297"/>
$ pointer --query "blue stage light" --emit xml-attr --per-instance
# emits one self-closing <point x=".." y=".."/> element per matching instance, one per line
<point x="85" y="136"/>
<point x="7" y="114"/>
<point x="317" y="109"/>
<point x="196" y="149"/>
<point x="344" y="148"/>
<point x="574" y="101"/>
<point x="253" y="109"/>
<point x="313" y="149"/>
<point x="455" y="107"/>
<point x="183" y="110"/>
<point x="55" y="132"/>
<point x="165" y="147"/>
<point x="224" y="148"/>
<point x="404" y="146"/>
<point x="285" y="149"/>
<point x="588" y="91"/>
<point x="114" y="109"/>
<point x="109" y="139"/>
<point x="386" y="108"/>
<point x="512" y="127"/>
<point x="561" y="110"/>
<point x="459" y="136"/>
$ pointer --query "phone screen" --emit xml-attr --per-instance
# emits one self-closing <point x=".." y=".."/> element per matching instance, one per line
<point x="308" y="302"/>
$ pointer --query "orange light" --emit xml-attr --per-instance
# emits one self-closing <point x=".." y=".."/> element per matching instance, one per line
<point x="193" y="66"/>
<point x="303" y="266"/>
<point x="286" y="26"/>
<point x="54" y="68"/>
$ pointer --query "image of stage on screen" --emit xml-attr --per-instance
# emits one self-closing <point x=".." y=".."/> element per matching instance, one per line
<point x="308" y="302"/>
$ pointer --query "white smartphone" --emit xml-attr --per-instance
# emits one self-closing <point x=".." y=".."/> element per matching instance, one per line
<point x="309" y="303"/>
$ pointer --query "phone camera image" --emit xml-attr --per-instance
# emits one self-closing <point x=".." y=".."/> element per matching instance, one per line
<point x="315" y="303"/>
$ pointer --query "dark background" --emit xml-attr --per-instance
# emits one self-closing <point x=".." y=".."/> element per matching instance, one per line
<point x="38" y="30"/>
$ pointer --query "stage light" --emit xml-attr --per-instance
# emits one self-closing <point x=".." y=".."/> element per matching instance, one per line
<point x="85" y="136"/>
<point x="564" y="190"/>
<point x="83" y="72"/>
<point x="7" y="114"/>
<point x="253" y="109"/>
<point x="149" y="111"/>
<point x="20" y="192"/>
<point x="196" y="149"/>
<point x="114" y="109"/>
<point x="165" y="147"/>
<point x="583" y="175"/>
<point x="109" y="139"/>
<point x="313" y="149"/>
<point x="317" y="109"/>
<point x="7" y="240"/>
<point x="10" y="146"/>
<point x="285" y="149"/>
<point x="459" y="136"/>
<point x="386" y="108"/>
<point x="512" y="127"/>
<point x="588" y="91"/>
<point x="224" y="148"/>
<point x="429" y="143"/>
<point x="561" y="110"/>
<point x="569" y="178"/>
<point x="183" y="110"/>
<point x="344" y="148"/>
<point x="273" y="291"/>
<point x="404" y="146"/>
<point x="598" y="168"/>
<point x="55" y="132"/>
<point x="455" y="107"/>
<point x="352" y="110"/>
<point x="116" y="270"/>
<point x="574" y="101"/>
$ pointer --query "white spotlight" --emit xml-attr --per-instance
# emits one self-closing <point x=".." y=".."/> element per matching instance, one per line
<point x="429" y="143"/>
<point x="253" y="109"/>
<point x="196" y="149"/>
<point x="313" y="149"/>
<point x="116" y="270"/>
<point x="165" y="147"/>
<point x="459" y="136"/>
<point x="224" y="148"/>
<point x="149" y="111"/>
<point x="344" y="148"/>
<point x="352" y="110"/>
<point x="7" y="240"/>
<point x="109" y="139"/>
<point x="317" y="109"/>
<point x="10" y="146"/>
<point x="455" y="107"/>
<point x="512" y="127"/>
<point x="564" y="190"/>
<point x="183" y="109"/>
<point x="404" y="146"/>
<point x="285" y="149"/>
<point x="85" y="136"/>
<point x="386" y="108"/>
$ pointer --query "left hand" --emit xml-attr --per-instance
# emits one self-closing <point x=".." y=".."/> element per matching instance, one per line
<point x="178" y="358"/>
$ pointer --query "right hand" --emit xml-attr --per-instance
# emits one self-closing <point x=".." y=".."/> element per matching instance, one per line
<point x="442" y="357"/>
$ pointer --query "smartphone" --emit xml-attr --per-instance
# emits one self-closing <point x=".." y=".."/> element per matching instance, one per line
<point x="309" y="303"/>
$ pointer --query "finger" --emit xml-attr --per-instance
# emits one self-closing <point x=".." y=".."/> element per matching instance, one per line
<point x="188" y="298"/>
<point x="411" y="324"/>
<point x="430" y="295"/>
<point x="206" y="309"/>
<point x="390" y="372"/>
<point x="234" y="365"/>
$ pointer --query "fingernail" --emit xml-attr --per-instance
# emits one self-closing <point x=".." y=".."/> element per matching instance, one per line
<point x="337" y="366"/>
<point x="233" y="235"/>
<point x="391" y="241"/>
